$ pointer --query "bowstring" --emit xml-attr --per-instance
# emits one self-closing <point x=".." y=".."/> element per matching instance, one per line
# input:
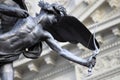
<point x="96" y="49"/>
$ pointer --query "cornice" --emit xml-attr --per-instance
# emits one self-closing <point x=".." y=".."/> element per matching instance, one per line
<point x="38" y="77"/>
<point x="90" y="10"/>
<point x="107" y="48"/>
<point x="112" y="14"/>
<point x="105" y="24"/>
<point x="106" y="74"/>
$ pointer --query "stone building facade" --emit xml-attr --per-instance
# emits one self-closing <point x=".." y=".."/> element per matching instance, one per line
<point x="104" y="14"/>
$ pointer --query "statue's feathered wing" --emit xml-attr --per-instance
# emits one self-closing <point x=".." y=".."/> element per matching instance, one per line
<point x="72" y="30"/>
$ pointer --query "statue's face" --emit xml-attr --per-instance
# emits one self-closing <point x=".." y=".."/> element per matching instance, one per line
<point x="59" y="9"/>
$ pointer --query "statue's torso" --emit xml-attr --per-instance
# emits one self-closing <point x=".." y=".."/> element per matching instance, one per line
<point x="24" y="34"/>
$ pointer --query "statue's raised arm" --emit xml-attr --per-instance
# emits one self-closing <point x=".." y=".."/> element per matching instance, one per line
<point x="13" y="11"/>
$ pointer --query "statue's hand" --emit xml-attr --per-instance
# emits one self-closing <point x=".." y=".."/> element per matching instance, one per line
<point x="91" y="62"/>
<point x="21" y="13"/>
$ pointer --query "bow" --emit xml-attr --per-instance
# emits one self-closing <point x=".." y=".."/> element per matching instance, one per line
<point x="95" y="52"/>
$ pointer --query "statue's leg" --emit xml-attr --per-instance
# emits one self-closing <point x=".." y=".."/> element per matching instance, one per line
<point x="6" y="71"/>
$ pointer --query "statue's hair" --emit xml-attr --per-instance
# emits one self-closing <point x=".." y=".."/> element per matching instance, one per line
<point x="57" y="7"/>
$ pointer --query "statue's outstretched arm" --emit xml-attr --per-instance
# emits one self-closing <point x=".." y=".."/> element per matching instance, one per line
<point x="13" y="11"/>
<point x="66" y="54"/>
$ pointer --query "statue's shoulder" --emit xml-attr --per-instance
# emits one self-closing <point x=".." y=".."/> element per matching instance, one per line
<point x="30" y="21"/>
<point x="8" y="3"/>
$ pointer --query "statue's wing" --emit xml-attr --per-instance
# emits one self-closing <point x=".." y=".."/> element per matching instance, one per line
<point x="72" y="30"/>
<point x="21" y="3"/>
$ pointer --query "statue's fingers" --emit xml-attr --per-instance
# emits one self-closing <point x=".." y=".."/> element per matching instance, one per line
<point x="93" y="61"/>
<point x="26" y="14"/>
<point x="23" y="14"/>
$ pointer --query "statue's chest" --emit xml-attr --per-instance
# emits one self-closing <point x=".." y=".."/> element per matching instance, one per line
<point x="27" y="24"/>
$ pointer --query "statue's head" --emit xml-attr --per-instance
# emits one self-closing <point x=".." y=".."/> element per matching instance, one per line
<point x="59" y="9"/>
<point x="53" y="9"/>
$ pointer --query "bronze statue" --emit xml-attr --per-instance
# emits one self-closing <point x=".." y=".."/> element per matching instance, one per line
<point x="26" y="34"/>
<point x="9" y="15"/>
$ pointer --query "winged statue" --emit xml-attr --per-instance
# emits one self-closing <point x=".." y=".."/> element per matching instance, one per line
<point x="24" y="34"/>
